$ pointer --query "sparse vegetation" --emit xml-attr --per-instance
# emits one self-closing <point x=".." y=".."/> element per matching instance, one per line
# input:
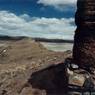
<point x="19" y="59"/>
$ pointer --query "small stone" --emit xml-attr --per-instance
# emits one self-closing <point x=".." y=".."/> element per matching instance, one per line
<point x="69" y="71"/>
<point x="74" y="93"/>
<point x="74" y="66"/>
<point x="77" y="79"/>
<point x="26" y="91"/>
<point x="4" y="50"/>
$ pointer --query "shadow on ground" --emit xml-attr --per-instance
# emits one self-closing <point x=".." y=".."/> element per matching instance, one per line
<point x="52" y="79"/>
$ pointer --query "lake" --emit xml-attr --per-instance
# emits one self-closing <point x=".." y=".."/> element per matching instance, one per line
<point x="61" y="47"/>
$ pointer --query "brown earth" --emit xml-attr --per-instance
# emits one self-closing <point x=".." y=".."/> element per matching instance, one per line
<point x="20" y="59"/>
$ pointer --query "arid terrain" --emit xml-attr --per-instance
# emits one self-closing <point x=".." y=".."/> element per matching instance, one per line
<point x="19" y="59"/>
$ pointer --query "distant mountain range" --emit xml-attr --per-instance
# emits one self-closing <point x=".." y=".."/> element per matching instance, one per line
<point x="11" y="37"/>
<point x="36" y="39"/>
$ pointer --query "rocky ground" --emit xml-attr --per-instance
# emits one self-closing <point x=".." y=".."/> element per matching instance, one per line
<point x="22" y="65"/>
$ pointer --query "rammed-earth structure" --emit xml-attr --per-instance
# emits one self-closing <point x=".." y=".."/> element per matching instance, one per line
<point x="84" y="40"/>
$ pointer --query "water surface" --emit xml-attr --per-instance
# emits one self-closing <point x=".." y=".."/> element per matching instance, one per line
<point x="61" y="47"/>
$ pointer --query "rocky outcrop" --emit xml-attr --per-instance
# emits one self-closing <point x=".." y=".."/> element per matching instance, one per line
<point x="84" y="40"/>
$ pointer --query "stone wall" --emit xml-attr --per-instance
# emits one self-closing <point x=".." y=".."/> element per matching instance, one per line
<point x="84" y="40"/>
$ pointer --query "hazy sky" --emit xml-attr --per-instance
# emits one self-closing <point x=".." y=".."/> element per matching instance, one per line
<point x="37" y="18"/>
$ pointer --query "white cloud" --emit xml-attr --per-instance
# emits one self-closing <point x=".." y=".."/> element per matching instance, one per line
<point x="58" y="4"/>
<point x="24" y="25"/>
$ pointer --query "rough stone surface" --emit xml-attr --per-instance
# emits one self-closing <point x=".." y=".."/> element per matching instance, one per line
<point x="84" y="40"/>
<point x="52" y="79"/>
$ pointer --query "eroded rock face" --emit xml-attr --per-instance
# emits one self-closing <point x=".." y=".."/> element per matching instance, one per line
<point x="84" y="41"/>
